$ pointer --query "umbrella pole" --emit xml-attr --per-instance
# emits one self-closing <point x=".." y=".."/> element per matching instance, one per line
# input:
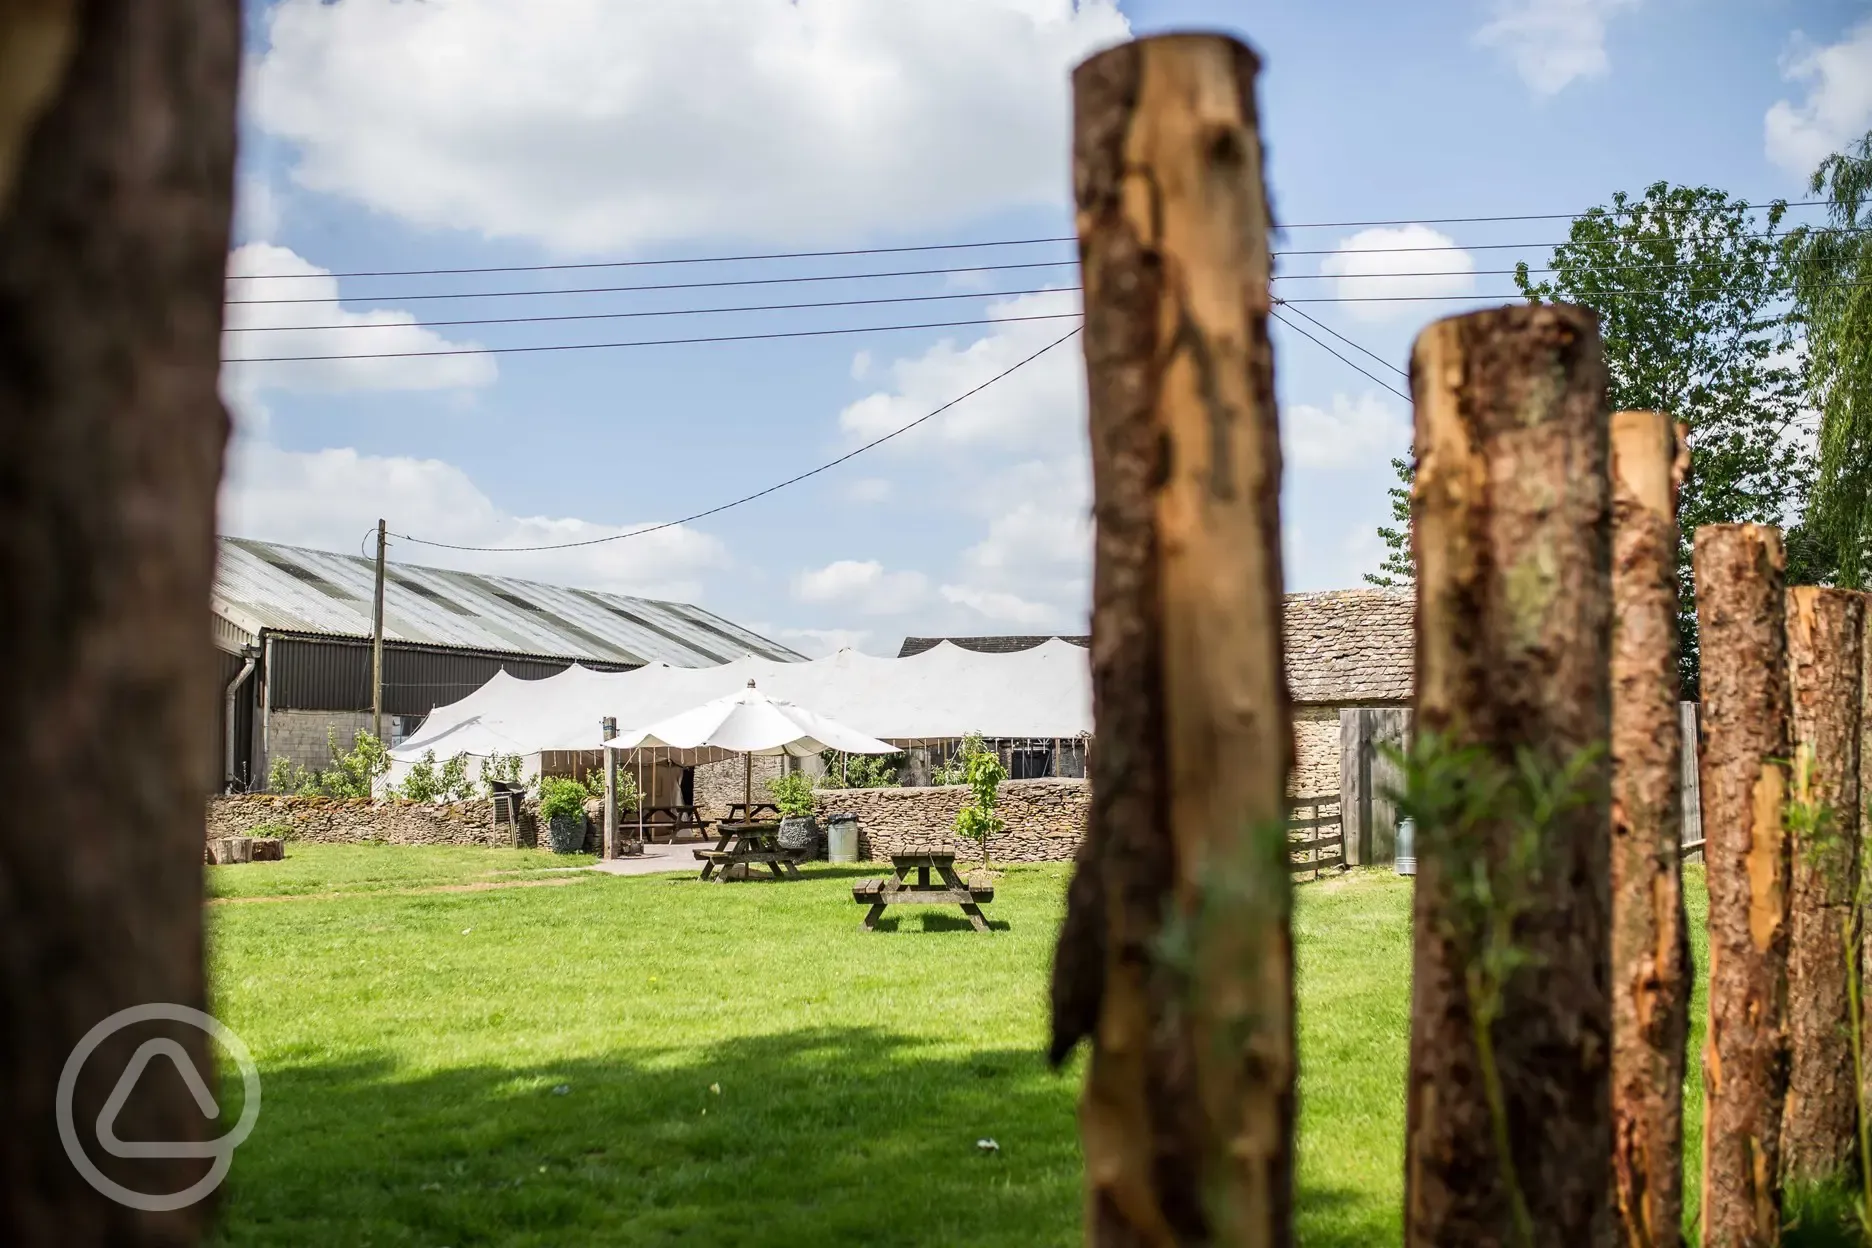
<point x="640" y="799"/>
<point x="747" y="786"/>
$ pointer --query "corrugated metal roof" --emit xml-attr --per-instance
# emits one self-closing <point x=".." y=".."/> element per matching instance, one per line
<point x="292" y="589"/>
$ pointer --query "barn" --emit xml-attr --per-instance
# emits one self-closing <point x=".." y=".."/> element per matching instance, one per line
<point x="292" y="627"/>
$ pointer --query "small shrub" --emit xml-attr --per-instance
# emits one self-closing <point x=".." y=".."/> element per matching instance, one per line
<point x="560" y="795"/>
<point x="860" y="771"/>
<point x="793" y="794"/>
<point x="626" y="788"/>
<point x="276" y="829"/>
<point x="983" y="773"/>
<point x="421" y="783"/>
<point x="955" y="771"/>
<point x="504" y="768"/>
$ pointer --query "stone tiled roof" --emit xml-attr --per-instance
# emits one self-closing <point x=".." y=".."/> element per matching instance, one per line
<point x="985" y="645"/>
<point x="1350" y="646"/>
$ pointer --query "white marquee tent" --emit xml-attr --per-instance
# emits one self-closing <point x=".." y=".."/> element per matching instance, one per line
<point x="943" y="693"/>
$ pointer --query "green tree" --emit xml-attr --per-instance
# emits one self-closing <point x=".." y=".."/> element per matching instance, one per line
<point x="1693" y="292"/>
<point x="1833" y="302"/>
<point x="1397" y="568"/>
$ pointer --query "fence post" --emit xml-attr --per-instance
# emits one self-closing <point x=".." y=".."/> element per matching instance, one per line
<point x="1509" y="1131"/>
<point x="1741" y="622"/>
<point x="1650" y="940"/>
<point x="1188" y="1110"/>
<point x="1825" y="638"/>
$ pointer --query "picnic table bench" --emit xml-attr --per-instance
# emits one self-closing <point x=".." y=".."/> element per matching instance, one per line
<point x="748" y="844"/>
<point x="949" y="890"/>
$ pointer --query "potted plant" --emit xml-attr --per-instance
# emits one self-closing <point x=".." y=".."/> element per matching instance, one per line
<point x="793" y="794"/>
<point x="562" y="806"/>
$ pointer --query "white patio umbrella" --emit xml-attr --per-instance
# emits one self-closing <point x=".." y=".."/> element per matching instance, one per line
<point x="749" y="723"/>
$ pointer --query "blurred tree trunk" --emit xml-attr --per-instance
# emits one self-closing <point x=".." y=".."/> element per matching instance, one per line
<point x="1825" y="632"/>
<point x="1650" y="939"/>
<point x="1742" y="615"/>
<point x="116" y="174"/>
<point x="1176" y="958"/>
<point x="1509" y="1125"/>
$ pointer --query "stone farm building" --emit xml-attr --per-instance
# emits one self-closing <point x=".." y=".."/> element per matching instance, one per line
<point x="1345" y="648"/>
<point x="293" y="630"/>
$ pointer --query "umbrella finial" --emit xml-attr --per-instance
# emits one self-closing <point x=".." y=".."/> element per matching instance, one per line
<point x="750" y="684"/>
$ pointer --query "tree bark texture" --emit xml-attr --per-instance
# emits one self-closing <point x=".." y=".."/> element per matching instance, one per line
<point x="1176" y="956"/>
<point x="1825" y="641"/>
<point x="1651" y="973"/>
<point x="116" y="175"/>
<point x="1746" y="742"/>
<point x="1511" y="524"/>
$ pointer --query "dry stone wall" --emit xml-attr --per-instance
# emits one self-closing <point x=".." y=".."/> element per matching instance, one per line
<point x="340" y="820"/>
<point x="1045" y="818"/>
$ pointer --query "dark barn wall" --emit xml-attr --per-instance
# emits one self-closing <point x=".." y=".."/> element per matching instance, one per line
<point x="322" y="685"/>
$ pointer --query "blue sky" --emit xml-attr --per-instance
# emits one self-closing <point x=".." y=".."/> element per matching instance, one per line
<point x="380" y="135"/>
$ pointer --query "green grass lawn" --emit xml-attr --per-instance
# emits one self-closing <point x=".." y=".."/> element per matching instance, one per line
<point x="339" y="869"/>
<point x="657" y="1061"/>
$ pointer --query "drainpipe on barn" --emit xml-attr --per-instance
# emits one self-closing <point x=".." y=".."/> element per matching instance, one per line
<point x="233" y="691"/>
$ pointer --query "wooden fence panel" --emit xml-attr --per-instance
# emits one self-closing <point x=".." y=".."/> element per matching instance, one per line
<point x="1366" y="778"/>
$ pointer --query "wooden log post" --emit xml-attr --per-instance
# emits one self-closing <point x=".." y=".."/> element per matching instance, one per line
<point x="116" y="180"/>
<point x="1651" y="973"/>
<point x="1741" y="621"/>
<point x="1188" y="1109"/>
<point x="1509" y="1133"/>
<point x="1825" y="654"/>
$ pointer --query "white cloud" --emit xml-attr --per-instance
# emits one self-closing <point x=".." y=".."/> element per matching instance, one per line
<point x="1353" y="432"/>
<point x="869" y="490"/>
<point x="861" y="365"/>
<point x="1552" y="42"/>
<point x="256" y="209"/>
<point x="817" y="643"/>
<point x="329" y="498"/>
<point x="863" y="586"/>
<point x="588" y="124"/>
<point x="1043" y="402"/>
<point x="322" y="326"/>
<point x="1391" y="261"/>
<point x="1838" y="107"/>
<point x="1002" y="606"/>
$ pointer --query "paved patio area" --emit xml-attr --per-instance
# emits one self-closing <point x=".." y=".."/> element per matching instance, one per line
<point x="655" y="859"/>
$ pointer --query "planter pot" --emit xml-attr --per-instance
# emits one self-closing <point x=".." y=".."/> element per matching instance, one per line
<point x="801" y="835"/>
<point x="566" y="833"/>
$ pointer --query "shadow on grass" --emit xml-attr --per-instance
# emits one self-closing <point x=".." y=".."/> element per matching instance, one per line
<point x="822" y="1137"/>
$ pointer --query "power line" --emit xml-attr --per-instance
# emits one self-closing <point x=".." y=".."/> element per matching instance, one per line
<point x="1003" y="242"/>
<point x="1328" y="349"/>
<point x="1630" y="209"/>
<point x="855" y="303"/>
<point x="855" y="277"/>
<point x="748" y="498"/>
<point x="650" y="342"/>
<point x="1342" y="338"/>
<point x="607" y="316"/>
<point x="610" y="290"/>
<point x="637" y="264"/>
<point x="1517" y="297"/>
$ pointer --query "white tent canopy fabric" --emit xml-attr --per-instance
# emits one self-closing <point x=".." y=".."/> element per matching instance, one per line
<point x="749" y="722"/>
<point x="944" y="692"/>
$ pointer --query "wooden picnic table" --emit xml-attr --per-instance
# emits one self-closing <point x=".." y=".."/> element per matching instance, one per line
<point x="675" y="820"/>
<point x="750" y="812"/>
<point x="949" y="890"/>
<point x="747" y="844"/>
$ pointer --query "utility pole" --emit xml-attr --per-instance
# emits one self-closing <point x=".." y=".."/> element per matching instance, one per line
<point x="376" y="657"/>
<point x="610" y="800"/>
